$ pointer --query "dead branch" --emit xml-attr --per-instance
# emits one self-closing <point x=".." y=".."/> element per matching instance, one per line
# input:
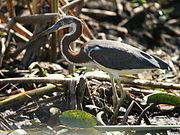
<point x="2" y="50"/>
<point x="68" y="7"/>
<point x="133" y="81"/>
<point x="36" y="19"/>
<point x="28" y="6"/>
<point x="99" y="13"/>
<point x="73" y="4"/>
<point x="121" y="30"/>
<point x="95" y="75"/>
<point x="14" y="33"/>
<point x="17" y="27"/>
<point x="11" y="8"/>
<point x="29" y="95"/>
<point x="38" y="80"/>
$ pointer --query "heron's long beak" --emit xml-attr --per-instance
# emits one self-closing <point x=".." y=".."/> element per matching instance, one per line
<point x="51" y="29"/>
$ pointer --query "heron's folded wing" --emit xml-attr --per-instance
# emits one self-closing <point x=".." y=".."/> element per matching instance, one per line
<point x="119" y="59"/>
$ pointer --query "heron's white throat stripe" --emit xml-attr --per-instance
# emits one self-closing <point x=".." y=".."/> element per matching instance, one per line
<point x="73" y="26"/>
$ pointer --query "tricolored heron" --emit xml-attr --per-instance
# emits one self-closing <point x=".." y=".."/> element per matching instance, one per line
<point x="114" y="57"/>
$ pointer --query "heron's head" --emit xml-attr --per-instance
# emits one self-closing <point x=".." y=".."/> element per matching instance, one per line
<point x="64" y="22"/>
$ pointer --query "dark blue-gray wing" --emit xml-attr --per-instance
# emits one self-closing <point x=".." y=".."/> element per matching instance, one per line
<point x="115" y="55"/>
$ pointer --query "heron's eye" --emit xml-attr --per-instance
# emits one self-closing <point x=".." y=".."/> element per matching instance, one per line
<point x="60" y="23"/>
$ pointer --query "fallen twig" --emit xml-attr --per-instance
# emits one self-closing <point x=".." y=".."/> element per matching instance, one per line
<point x="38" y="80"/>
<point x="98" y="12"/>
<point x="36" y="19"/>
<point x="73" y="4"/>
<point x="136" y="128"/>
<point x="133" y="81"/>
<point x="17" y="27"/>
<point x="144" y="112"/>
<point x="95" y="75"/>
<point x="26" y="96"/>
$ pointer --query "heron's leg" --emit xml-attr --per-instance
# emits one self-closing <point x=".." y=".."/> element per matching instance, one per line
<point x="115" y="96"/>
<point x="120" y="101"/>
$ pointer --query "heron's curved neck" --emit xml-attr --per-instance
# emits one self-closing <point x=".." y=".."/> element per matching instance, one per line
<point x="71" y="56"/>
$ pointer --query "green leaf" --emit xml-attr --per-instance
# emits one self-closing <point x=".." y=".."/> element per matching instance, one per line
<point x="78" y="119"/>
<point x="79" y="69"/>
<point x="163" y="98"/>
<point x="139" y="1"/>
<point x="167" y="11"/>
<point x="35" y="123"/>
<point x="2" y="34"/>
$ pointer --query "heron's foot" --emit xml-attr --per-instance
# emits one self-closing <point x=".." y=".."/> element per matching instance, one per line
<point x="120" y="102"/>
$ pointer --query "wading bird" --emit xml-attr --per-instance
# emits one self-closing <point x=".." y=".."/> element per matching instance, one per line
<point x="113" y="57"/>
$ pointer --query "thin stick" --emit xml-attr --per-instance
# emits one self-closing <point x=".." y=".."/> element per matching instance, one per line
<point x="29" y="7"/>
<point x="142" y="114"/>
<point x="21" y="97"/>
<point x="11" y="8"/>
<point x="38" y="80"/>
<point x="145" y="115"/>
<point x="127" y="113"/>
<point x="135" y="128"/>
<point x="93" y="75"/>
<point x="99" y="75"/>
